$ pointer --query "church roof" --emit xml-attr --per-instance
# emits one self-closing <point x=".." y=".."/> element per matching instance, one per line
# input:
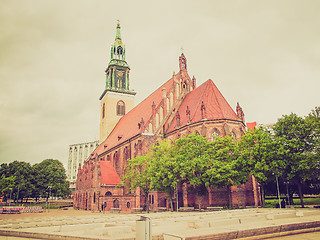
<point x="209" y="96"/>
<point x="109" y="175"/>
<point x="216" y="107"/>
<point x="127" y="126"/>
<point x="251" y="125"/>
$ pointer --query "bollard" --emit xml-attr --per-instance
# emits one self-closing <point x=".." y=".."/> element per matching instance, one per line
<point x="143" y="229"/>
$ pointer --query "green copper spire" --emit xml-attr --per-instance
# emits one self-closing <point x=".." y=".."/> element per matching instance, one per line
<point x="118" y="35"/>
<point x="117" y="72"/>
<point x="118" y="49"/>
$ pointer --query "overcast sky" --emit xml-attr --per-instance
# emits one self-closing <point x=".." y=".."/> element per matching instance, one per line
<point x="263" y="54"/>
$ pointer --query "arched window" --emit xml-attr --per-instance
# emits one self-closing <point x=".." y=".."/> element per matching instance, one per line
<point x="121" y="109"/>
<point x="108" y="194"/>
<point x="119" y="50"/>
<point x="177" y="91"/>
<point x="157" y="121"/>
<point x="233" y="134"/>
<point x="116" y="203"/>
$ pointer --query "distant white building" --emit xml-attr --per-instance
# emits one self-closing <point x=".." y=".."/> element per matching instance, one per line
<point x="78" y="153"/>
<point x="268" y="127"/>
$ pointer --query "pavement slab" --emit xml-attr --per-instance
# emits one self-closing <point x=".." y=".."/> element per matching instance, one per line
<point x="225" y="224"/>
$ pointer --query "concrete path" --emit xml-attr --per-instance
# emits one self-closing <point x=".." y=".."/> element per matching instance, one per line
<point x="231" y="224"/>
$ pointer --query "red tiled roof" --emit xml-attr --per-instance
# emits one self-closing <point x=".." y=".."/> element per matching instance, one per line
<point x="251" y="125"/>
<point x="216" y="106"/>
<point x="109" y="175"/>
<point x="127" y="126"/>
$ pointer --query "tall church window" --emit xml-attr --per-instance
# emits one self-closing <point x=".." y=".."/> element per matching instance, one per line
<point x="233" y="134"/>
<point x="121" y="110"/>
<point x="215" y="133"/>
<point x="119" y="50"/>
<point x="157" y="120"/>
<point x="116" y="203"/>
<point x="161" y="113"/>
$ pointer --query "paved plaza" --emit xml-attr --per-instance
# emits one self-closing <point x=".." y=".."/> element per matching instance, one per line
<point x="226" y="224"/>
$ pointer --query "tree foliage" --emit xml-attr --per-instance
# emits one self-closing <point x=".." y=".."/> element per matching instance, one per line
<point x="290" y="154"/>
<point x="297" y="137"/>
<point x="138" y="175"/>
<point x="191" y="154"/>
<point x="165" y="170"/>
<point x="224" y="170"/>
<point x="261" y="156"/>
<point x="21" y="180"/>
<point x="50" y="177"/>
<point x="191" y="160"/>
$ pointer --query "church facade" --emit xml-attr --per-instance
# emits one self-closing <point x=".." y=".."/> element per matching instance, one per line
<point x="174" y="110"/>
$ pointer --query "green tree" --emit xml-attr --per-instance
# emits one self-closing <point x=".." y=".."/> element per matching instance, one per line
<point x="314" y="120"/>
<point x="295" y="134"/>
<point x="22" y="173"/>
<point x="165" y="170"/>
<point x="50" y="177"/>
<point x="261" y="156"/>
<point x="138" y="176"/>
<point x="6" y="185"/>
<point x="224" y="170"/>
<point x="191" y="156"/>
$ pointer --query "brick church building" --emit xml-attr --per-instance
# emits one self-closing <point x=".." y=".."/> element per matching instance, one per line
<point x="174" y="110"/>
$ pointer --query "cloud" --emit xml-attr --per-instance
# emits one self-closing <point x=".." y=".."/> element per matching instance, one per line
<point x="263" y="54"/>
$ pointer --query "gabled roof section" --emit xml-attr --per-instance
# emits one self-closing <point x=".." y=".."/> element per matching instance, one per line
<point x="251" y="125"/>
<point x="207" y="95"/>
<point x="109" y="175"/>
<point x="127" y="126"/>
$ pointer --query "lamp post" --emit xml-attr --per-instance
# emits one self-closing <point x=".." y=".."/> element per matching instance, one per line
<point x="177" y="199"/>
<point x="278" y="191"/>
<point x="287" y="186"/>
<point x="10" y="196"/>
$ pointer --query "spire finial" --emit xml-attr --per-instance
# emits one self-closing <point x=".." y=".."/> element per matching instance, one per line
<point x="118" y="35"/>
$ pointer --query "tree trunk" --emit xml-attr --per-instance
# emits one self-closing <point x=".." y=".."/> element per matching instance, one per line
<point x="263" y="200"/>
<point x="171" y="204"/>
<point x="229" y="197"/>
<point x="146" y="200"/>
<point x="300" y="194"/>
<point x="199" y="201"/>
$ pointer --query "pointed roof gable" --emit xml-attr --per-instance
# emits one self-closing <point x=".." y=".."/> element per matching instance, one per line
<point x="127" y="126"/>
<point x="109" y="175"/>
<point x="216" y="106"/>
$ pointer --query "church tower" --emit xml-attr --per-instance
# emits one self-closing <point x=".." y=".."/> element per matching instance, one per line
<point x="117" y="99"/>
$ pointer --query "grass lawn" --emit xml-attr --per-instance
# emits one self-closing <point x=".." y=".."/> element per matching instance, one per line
<point x="271" y="203"/>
